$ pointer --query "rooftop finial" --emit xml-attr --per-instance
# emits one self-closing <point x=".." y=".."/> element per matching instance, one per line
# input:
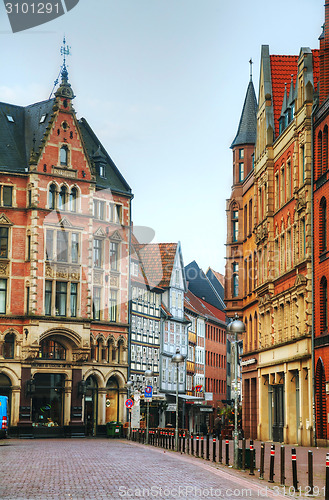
<point x="65" y="51"/>
<point x="251" y="63"/>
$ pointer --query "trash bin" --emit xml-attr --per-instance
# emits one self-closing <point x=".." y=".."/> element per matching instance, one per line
<point x="114" y="429"/>
<point x="247" y="458"/>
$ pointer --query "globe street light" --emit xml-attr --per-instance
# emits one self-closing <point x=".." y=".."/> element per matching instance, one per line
<point x="177" y="358"/>
<point x="148" y="374"/>
<point x="236" y="327"/>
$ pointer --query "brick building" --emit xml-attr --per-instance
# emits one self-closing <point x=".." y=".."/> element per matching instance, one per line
<point x="64" y="223"/>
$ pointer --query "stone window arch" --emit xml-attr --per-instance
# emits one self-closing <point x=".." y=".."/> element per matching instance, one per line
<point x="9" y="346"/>
<point x="52" y="196"/>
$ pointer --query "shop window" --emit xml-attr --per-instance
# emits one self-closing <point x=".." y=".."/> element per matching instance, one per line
<point x="9" y="346"/>
<point x="50" y="349"/>
<point x="48" y="401"/>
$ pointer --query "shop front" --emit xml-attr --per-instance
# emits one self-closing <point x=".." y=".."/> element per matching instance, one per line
<point x="48" y="404"/>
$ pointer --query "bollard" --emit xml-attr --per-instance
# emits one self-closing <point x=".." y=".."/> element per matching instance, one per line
<point x="179" y="442"/>
<point x="202" y="444"/>
<point x="197" y="446"/>
<point x="214" y="447"/>
<point x="327" y="477"/>
<point x="310" y="472"/>
<point x="243" y="464"/>
<point x="271" y="480"/>
<point x="192" y="444"/>
<point x="294" y="468"/>
<point x="173" y="441"/>
<point x="183" y="450"/>
<point x="207" y="447"/>
<point x="262" y="460"/>
<point x="252" y="459"/>
<point x="220" y="450"/>
<point x="227" y="452"/>
<point x="282" y="466"/>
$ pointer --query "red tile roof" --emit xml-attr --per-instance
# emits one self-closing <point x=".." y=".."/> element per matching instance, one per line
<point x="282" y="67"/>
<point x="158" y="261"/>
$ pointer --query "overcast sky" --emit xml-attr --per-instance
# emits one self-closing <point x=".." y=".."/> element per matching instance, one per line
<point x="162" y="83"/>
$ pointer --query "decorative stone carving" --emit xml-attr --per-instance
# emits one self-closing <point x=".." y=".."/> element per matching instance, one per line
<point x="4" y="268"/>
<point x="62" y="272"/>
<point x="300" y="202"/>
<point x="261" y="234"/>
<point x="49" y="270"/>
<point x="4" y="220"/>
<point x="114" y="281"/>
<point x="98" y="278"/>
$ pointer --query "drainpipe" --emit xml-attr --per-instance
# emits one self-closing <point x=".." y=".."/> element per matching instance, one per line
<point x="313" y="279"/>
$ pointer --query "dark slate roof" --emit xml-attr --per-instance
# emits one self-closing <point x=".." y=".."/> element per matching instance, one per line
<point x="214" y="279"/>
<point x="113" y="178"/>
<point x="16" y="138"/>
<point x="200" y="285"/>
<point x="248" y="122"/>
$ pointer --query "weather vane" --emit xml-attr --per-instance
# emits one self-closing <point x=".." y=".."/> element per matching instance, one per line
<point x="65" y="51"/>
<point x="251" y="63"/>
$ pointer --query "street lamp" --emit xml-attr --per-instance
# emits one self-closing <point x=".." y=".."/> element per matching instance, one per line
<point x="236" y="327"/>
<point x="129" y="386"/>
<point x="177" y="358"/>
<point x="148" y="374"/>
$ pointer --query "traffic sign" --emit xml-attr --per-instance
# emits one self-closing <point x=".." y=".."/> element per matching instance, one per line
<point x="148" y="391"/>
<point x="129" y="403"/>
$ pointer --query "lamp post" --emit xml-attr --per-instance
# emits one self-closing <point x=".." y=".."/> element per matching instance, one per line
<point x="129" y="386"/>
<point x="177" y="358"/>
<point x="148" y="374"/>
<point x="236" y="327"/>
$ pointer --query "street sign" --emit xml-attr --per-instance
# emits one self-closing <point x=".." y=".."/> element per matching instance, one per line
<point x="171" y="407"/>
<point x="148" y="391"/>
<point x="129" y="403"/>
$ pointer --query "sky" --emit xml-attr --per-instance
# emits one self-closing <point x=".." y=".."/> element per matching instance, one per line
<point x="162" y="83"/>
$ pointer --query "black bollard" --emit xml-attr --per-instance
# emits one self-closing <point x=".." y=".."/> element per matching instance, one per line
<point x="262" y="460"/>
<point x="214" y="441"/>
<point x="327" y="477"/>
<point x="192" y="444"/>
<point x="179" y="441"/>
<point x="197" y="446"/>
<point x="282" y="465"/>
<point x="271" y="480"/>
<point x="227" y="444"/>
<point x="252" y="458"/>
<point x="310" y="472"/>
<point x="202" y="446"/>
<point x="207" y="447"/>
<point x="243" y="464"/>
<point x="183" y="450"/>
<point x="294" y="468"/>
<point x="220" y="449"/>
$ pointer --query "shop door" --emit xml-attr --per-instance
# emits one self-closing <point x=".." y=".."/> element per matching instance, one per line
<point x="278" y="413"/>
<point x="47" y="403"/>
<point x="91" y="406"/>
<point x="112" y="397"/>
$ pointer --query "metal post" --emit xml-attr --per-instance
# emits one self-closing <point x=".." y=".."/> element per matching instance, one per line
<point x="202" y="454"/>
<point x="220" y="450"/>
<point x="252" y="458"/>
<point x="214" y="441"/>
<point x="207" y="447"/>
<point x="243" y="465"/>
<point x="310" y="472"/>
<point x="271" y="480"/>
<point x="327" y="477"/>
<point x="262" y="459"/>
<point x="197" y="446"/>
<point x="236" y="432"/>
<point x="176" y="429"/>
<point x="294" y="468"/>
<point x="183" y="450"/>
<point x="192" y="444"/>
<point x="147" y="421"/>
<point x="227" y="444"/>
<point x="282" y="465"/>
<point x="187" y="444"/>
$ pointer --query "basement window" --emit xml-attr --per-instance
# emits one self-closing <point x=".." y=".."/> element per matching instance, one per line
<point x="10" y="119"/>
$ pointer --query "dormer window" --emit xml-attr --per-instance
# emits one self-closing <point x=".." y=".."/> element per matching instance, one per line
<point x="101" y="170"/>
<point x="64" y="155"/>
<point x="43" y="118"/>
<point x="10" y="119"/>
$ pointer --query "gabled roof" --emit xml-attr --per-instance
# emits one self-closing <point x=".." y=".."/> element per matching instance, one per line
<point x="246" y="133"/>
<point x="18" y="137"/>
<point x="158" y="262"/>
<point x="217" y="281"/>
<point x="200" y="307"/>
<point x="201" y="286"/>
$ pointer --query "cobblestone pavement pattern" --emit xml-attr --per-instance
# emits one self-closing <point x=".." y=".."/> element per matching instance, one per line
<point x="109" y="469"/>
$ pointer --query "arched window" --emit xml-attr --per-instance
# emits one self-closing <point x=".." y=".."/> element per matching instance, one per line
<point x="50" y="349"/>
<point x="64" y="155"/>
<point x="323" y="305"/>
<point x="325" y="150"/>
<point x="9" y="346"/>
<point x="235" y="224"/>
<point x="52" y="197"/>
<point x="319" y="154"/>
<point x="73" y="199"/>
<point x="62" y="198"/>
<point x="323" y="225"/>
<point x="320" y="401"/>
<point x="235" y="282"/>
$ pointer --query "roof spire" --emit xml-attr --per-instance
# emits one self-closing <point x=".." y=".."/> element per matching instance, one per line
<point x="251" y="63"/>
<point x="64" y="90"/>
<point x="65" y="51"/>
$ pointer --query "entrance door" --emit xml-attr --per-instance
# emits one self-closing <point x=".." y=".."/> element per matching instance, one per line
<point x="112" y="400"/>
<point x="48" y="403"/>
<point x="91" y="406"/>
<point x="278" y="413"/>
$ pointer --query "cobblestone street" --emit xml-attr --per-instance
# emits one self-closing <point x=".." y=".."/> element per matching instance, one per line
<point x="101" y="468"/>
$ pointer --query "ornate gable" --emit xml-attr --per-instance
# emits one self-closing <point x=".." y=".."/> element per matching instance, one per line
<point x="5" y="221"/>
<point x="100" y="233"/>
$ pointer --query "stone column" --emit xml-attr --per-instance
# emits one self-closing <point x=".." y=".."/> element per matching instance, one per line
<point x="101" y="406"/>
<point x="67" y="401"/>
<point x="14" y="410"/>
<point x="121" y="403"/>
